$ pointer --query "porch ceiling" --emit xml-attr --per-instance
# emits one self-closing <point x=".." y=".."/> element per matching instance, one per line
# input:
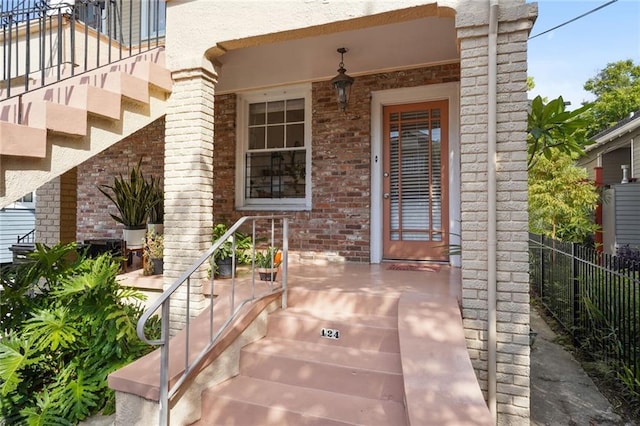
<point x="407" y="44"/>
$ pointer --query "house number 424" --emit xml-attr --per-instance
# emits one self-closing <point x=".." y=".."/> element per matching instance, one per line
<point x="330" y="333"/>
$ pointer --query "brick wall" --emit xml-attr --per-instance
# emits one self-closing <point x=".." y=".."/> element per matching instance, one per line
<point x="512" y="322"/>
<point x="56" y="210"/>
<point x="93" y="208"/>
<point x="337" y="227"/>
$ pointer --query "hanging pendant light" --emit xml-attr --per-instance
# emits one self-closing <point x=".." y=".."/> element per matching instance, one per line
<point x="342" y="82"/>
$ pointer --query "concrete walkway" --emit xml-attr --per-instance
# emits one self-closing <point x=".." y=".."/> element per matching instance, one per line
<point x="561" y="392"/>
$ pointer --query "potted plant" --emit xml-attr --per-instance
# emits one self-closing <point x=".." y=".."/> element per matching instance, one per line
<point x="153" y="252"/>
<point x="223" y="257"/>
<point x="133" y="196"/>
<point x="267" y="263"/>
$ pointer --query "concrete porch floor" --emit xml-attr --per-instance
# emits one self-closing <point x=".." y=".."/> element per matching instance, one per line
<point x="433" y="279"/>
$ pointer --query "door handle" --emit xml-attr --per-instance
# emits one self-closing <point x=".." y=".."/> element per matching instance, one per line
<point x="386" y="195"/>
<point x="385" y="174"/>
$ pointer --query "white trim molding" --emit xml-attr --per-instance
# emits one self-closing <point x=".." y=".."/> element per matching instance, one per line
<point x="380" y="99"/>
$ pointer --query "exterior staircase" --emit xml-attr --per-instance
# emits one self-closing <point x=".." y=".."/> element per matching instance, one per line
<point x="48" y="131"/>
<point x="296" y="376"/>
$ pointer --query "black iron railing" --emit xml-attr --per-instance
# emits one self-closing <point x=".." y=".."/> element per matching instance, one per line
<point x="45" y="41"/>
<point x="595" y="297"/>
<point x="29" y="237"/>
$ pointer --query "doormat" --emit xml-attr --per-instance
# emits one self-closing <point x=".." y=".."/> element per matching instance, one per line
<point x="413" y="267"/>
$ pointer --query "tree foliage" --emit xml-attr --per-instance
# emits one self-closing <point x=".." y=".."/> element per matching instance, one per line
<point x="551" y="129"/>
<point x="561" y="199"/>
<point x="66" y="324"/>
<point x="617" y="88"/>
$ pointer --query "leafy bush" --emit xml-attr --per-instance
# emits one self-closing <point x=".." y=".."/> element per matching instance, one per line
<point x="66" y="324"/>
<point x="243" y="243"/>
<point x="628" y="257"/>
<point x="270" y="258"/>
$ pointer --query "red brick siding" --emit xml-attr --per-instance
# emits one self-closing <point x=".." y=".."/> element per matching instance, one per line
<point x="338" y="224"/>
<point x="337" y="227"/>
<point x="93" y="207"/>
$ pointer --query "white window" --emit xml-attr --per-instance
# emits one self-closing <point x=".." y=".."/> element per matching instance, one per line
<point x="273" y="157"/>
<point x="26" y="202"/>
<point x="153" y="23"/>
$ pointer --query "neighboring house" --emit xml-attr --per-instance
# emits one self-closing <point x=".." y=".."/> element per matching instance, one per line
<point x="399" y="171"/>
<point x="613" y="162"/>
<point x="17" y="220"/>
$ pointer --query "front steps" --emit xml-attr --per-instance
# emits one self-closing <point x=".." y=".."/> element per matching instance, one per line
<point x="296" y="377"/>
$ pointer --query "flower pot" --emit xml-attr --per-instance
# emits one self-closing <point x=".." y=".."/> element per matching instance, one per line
<point x="225" y="267"/>
<point x="158" y="266"/>
<point x="268" y="274"/>
<point x="133" y="237"/>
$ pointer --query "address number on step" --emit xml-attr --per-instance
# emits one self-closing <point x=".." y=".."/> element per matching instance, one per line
<point x="330" y="333"/>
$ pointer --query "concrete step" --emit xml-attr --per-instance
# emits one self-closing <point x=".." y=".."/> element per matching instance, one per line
<point x="249" y="401"/>
<point x="344" y="302"/>
<point x="365" y="332"/>
<point x="363" y="373"/>
<point x="23" y="141"/>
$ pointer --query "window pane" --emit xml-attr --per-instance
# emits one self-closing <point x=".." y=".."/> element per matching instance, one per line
<point x="275" y="112"/>
<point x="275" y="137"/>
<point x="279" y="174"/>
<point x="295" y="135"/>
<point x="256" y="138"/>
<point x="295" y="110"/>
<point x="257" y="114"/>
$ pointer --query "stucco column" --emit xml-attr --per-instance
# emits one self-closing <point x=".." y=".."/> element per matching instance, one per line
<point x="515" y="19"/>
<point x="188" y="184"/>
<point x="56" y="211"/>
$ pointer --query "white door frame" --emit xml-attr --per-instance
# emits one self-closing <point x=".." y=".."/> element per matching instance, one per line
<point x="379" y="99"/>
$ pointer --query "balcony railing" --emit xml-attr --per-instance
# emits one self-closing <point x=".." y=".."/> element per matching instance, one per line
<point x="45" y="41"/>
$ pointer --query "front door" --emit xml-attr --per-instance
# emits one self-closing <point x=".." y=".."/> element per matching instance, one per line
<point x="415" y="198"/>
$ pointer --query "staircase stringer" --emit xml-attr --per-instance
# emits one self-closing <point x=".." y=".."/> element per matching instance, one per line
<point x="19" y="176"/>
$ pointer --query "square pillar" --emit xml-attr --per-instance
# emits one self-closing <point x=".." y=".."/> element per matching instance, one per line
<point x="188" y="185"/>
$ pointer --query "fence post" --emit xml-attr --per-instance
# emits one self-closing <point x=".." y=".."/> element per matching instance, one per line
<point x="542" y="272"/>
<point x="576" y="291"/>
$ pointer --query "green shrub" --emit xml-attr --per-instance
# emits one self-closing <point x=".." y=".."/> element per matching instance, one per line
<point x="66" y="324"/>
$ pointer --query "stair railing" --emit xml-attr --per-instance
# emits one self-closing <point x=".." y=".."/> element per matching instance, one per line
<point x="29" y="237"/>
<point x="46" y="41"/>
<point x="163" y="303"/>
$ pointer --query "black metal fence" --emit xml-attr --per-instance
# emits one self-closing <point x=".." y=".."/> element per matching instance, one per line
<point x="45" y="41"/>
<point x="595" y="297"/>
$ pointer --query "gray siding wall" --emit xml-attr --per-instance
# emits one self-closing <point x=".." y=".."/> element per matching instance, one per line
<point x="627" y="213"/>
<point x="14" y="223"/>
<point x="611" y="162"/>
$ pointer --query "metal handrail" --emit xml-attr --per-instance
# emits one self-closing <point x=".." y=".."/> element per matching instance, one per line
<point x="163" y="303"/>
<point x="46" y="42"/>
<point x="29" y="237"/>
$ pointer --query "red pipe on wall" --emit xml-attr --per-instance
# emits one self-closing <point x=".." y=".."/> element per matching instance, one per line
<point x="598" y="212"/>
